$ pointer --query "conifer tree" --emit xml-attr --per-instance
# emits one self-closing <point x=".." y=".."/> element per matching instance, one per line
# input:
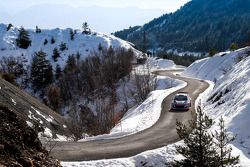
<point x="56" y="54"/>
<point x="72" y="34"/>
<point x="45" y="42"/>
<point x="100" y="47"/>
<point x="234" y="47"/>
<point x="58" y="73"/>
<point x="38" y="30"/>
<point x="70" y="64"/>
<point x="41" y="71"/>
<point x="9" y="27"/>
<point x="85" y="28"/>
<point x="63" y="46"/>
<point x="199" y="150"/>
<point x="78" y="56"/>
<point x="222" y="140"/>
<point x="23" y="40"/>
<point x="52" y="41"/>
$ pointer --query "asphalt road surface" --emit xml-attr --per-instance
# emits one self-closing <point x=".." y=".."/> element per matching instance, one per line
<point x="162" y="133"/>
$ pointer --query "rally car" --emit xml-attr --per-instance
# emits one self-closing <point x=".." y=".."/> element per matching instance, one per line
<point x="181" y="101"/>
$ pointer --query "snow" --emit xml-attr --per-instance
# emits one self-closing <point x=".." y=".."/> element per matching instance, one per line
<point x="29" y="124"/>
<point x="146" y="114"/>
<point x="47" y="133"/>
<point x="13" y="101"/>
<point x="159" y="158"/>
<point x="231" y="81"/>
<point x="48" y="119"/>
<point x="225" y="73"/>
<point x="82" y="43"/>
<point x="139" y="118"/>
<point x="32" y="117"/>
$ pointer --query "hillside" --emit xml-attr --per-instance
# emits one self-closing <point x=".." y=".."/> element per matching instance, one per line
<point x="80" y="75"/>
<point x="84" y="44"/>
<point x="200" y="25"/>
<point x="19" y="143"/>
<point x="230" y="96"/>
<point x="30" y="109"/>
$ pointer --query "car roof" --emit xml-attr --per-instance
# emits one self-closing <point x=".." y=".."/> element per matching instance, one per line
<point x="182" y="94"/>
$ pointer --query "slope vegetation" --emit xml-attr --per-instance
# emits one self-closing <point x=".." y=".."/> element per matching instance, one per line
<point x="200" y="25"/>
<point x="31" y="110"/>
<point x="229" y="99"/>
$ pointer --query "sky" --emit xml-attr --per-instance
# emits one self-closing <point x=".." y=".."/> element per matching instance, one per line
<point x="17" y="12"/>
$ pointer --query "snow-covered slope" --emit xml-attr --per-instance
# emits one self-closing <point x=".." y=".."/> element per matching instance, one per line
<point x="230" y="97"/>
<point x="82" y="43"/>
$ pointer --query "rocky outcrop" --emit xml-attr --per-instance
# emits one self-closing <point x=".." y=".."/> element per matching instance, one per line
<point x="19" y="143"/>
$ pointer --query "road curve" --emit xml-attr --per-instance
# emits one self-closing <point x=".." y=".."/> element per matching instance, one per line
<point x="162" y="133"/>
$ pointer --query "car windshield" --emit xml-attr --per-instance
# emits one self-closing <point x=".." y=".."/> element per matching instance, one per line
<point x="180" y="98"/>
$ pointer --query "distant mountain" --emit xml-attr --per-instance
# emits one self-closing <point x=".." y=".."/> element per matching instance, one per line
<point x="200" y="25"/>
<point x="102" y="19"/>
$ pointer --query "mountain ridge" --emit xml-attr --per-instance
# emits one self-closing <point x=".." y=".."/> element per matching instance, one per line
<point x="197" y="26"/>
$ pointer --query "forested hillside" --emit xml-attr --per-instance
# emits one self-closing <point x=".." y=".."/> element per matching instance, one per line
<point x="76" y="73"/>
<point x="200" y="25"/>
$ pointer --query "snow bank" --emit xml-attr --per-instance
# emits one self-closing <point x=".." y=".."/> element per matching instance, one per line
<point x="146" y="114"/>
<point x="230" y="97"/>
<point x="161" y="157"/>
<point x="143" y="116"/>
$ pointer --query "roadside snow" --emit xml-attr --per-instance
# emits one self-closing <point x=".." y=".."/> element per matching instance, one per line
<point x="161" y="157"/>
<point x="139" y="118"/>
<point x="146" y="114"/>
<point x="47" y="133"/>
<point x="230" y="97"/>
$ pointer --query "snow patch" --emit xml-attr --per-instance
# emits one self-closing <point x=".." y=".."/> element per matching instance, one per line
<point x="13" y="101"/>
<point x="29" y="124"/>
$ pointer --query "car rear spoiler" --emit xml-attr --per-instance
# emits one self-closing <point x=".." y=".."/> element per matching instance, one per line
<point x="182" y="92"/>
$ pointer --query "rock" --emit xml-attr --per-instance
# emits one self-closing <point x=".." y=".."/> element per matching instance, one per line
<point x="19" y="143"/>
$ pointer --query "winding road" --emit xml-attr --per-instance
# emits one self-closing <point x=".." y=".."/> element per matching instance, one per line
<point x="162" y="133"/>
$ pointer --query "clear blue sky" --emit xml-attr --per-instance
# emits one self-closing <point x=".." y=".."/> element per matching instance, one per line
<point x="102" y="15"/>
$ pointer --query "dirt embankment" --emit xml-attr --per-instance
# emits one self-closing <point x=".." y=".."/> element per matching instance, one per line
<point x="19" y="143"/>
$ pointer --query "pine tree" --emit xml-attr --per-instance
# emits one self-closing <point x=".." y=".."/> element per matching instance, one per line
<point x="52" y="41"/>
<point x="38" y="30"/>
<point x="56" y="54"/>
<point x="45" y="42"/>
<point x="58" y="73"/>
<point x="70" y="64"/>
<point x="63" y="46"/>
<point x="100" y="47"/>
<point x="198" y="150"/>
<point x="78" y="56"/>
<point x="234" y="47"/>
<point x="144" y="42"/>
<point x="9" y="27"/>
<point x="72" y="35"/>
<point x="85" y="28"/>
<point x="41" y="71"/>
<point x="222" y="140"/>
<point x="23" y="40"/>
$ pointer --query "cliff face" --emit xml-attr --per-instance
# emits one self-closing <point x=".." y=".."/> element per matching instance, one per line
<point x="19" y="143"/>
